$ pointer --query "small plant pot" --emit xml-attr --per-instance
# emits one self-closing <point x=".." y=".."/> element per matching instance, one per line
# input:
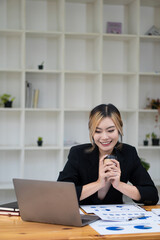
<point x="39" y="143"/>
<point x="155" y="141"/>
<point x="8" y="104"/>
<point x="40" y="67"/>
<point x="145" y="142"/>
<point x="154" y="107"/>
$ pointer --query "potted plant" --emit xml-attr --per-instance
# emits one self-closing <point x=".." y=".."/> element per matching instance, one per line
<point x="7" y="100"/>
<point x="145" y="164"/>
<point x="40" y="141"/>
<point x="155" y="139"/>
<point x="41" y="66"/>
<point x="146" y="141"/>
<point x="155" y="103"/>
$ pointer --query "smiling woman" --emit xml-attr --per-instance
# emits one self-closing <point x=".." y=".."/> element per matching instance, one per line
<point x="101" y="182"/>
<point x="105" y="129"/>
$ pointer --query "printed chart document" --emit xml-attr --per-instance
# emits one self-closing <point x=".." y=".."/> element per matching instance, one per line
<point x="120" y="212"/>
<point x="156" y="211"/>
<point x="107" y="228"/>
<point x="140" y="221"/>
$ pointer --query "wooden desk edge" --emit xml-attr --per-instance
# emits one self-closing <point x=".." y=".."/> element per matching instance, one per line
<point x="16" y="229"/>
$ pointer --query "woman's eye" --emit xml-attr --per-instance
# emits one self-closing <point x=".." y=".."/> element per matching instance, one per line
<point x="110" y="131"/>
<point x="97" y="131"/>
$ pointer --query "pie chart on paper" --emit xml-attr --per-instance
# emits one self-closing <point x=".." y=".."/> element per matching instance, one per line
<point x="142" y="227"/>
<point x="114" y="228"/>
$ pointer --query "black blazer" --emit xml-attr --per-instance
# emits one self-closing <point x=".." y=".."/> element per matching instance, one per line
<point x="82" y="168"/>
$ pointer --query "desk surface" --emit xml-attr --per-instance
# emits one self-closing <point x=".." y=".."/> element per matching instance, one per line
<point x="13" y="228"/>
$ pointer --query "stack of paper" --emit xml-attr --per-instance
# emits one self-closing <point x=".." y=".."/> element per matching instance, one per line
<point x="117" y="212"/>
<point x="115" y="219"/>
<point x="156" y="211"/>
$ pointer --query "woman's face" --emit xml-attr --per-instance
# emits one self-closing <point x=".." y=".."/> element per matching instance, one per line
<point x="106" y="136"/>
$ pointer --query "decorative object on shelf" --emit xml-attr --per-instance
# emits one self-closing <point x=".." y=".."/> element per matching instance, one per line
<point x="145" y="164"/>
<point x="40" y="141"/>
<point x="7" y="100"/>
<point x="146" y="141"/>
<point x="155" y="139"/>
<point x="114" y="27"/>
<point x="41" y="66"/>
<point x="153" y="31"/>
<point x="155" y="103"/>
<point x="28" y="89"/>
<point x="35" y="98"/>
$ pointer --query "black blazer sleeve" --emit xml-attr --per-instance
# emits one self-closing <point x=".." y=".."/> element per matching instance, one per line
<point x="140" y="178"/>
<point x="82" y="168"/>
<point x="70" y="172"/>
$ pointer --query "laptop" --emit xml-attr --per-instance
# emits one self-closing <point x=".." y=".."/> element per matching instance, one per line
<point x="50" y="202"/>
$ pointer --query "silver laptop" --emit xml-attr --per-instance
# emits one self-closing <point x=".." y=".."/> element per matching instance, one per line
<point x="50" y="202"/>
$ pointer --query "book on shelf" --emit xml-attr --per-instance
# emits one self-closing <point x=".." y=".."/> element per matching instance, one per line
<point x="28" y="91"/>
<point x="114" y="27"/>
<point x="35" y="98"/>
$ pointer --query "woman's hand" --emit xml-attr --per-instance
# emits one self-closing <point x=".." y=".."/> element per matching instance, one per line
<point x="105" y="170"/>
<point x="102" y="184"/>
<point x="114" y="173"/>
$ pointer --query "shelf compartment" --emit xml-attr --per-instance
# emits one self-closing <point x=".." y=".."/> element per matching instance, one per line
<point x="149" y="15"/>
<point x="46" y="48"/>
<point x="80" y="16"/>
<point x="10" y="162"/>
<point x="79" y="90"/>
<point x="152" y="156"/>
<point x="147" y="125"/>
<point x="124" y="11"/>
<point x="10" y="128"/>
<point x="11" y="83"/>
<point x="119" y="54"/>
<point x="44" y="124"/>
<point x="130" y="134"/>
<point x="150" y="54"/>
<point x="76" y="127"/>
<point x="42" y="165"/>
<point x="11" y="14"/>
<point x="44" y="15"/>
<point x="125" y="85"/>
<point x="49" y="86"/>
<point x="148" y="88"/>
<point x="82" y="53"/>
<point x="11" y="50"/>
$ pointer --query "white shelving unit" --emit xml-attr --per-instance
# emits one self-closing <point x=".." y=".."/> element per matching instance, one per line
<point x="83" y="66"/>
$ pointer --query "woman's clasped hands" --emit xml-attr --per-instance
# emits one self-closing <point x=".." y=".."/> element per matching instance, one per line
<point x="109" y="172"/>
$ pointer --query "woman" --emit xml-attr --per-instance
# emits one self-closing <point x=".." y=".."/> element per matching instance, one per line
<point x="104" y="182"/>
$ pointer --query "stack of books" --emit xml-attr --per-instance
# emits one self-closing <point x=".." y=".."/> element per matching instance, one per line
<point x="9" y="209"/>
<point x="32" y="96"/>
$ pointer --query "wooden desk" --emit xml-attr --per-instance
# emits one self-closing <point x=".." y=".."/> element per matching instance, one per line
<point x="13" y="228"/>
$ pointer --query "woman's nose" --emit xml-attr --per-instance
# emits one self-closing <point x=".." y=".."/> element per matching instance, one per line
<point x="104" y="135"/>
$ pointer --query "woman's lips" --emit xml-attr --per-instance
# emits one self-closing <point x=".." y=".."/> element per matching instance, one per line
<point x="105" y="144"/>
